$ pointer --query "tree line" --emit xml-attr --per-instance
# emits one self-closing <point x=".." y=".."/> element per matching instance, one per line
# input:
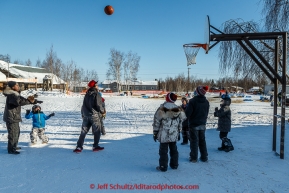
<point x="182" y="83"/>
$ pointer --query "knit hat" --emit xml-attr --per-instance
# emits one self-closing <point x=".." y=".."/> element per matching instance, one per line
<point x="35" y="106"/>
<point x="92" y="83"/>
<point x="171" y="97"/>
<point x="11" y="84"/>
<point x="201" y="90"/>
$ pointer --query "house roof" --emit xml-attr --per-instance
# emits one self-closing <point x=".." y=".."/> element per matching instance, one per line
<point x="28" y="74"/>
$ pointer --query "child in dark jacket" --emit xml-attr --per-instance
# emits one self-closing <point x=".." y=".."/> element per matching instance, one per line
<point x="224" y="122"/>
<point x="38" y="122"/>
<point x="185" y="127"/>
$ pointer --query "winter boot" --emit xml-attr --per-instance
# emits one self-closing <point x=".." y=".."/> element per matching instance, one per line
<point x="227" y="144"/>
<point x="193" y="160"/>
<point x="222" y="148"/>
<point x="185" y="140"/>
<point x="78" y="150"/>
<point x="161" y="168"/>
<point x="98" y="148"/>
<point x="13" y="152"/>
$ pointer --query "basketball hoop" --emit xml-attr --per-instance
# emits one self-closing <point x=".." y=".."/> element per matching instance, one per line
<point x="191" y="51"/>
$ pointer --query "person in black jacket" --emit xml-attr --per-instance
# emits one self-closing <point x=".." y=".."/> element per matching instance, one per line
<point x="12" y="114"/>
<point x="197" y="113"/>
<point x="92" y="110"/>
<point x="185" y="129"/>
<point x="224" y="122"/>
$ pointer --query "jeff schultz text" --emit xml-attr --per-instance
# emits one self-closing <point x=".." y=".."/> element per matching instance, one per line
<point x="145" y="187"/>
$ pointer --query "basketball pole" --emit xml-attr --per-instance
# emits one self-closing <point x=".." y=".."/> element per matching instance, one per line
<point x="244" y="41"/>
<point x="188" y="80"/>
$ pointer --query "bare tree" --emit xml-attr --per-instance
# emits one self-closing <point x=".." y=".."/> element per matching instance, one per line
<point x="28" y="62"/>
<point x="115" y="65"/>
<point x="17" y="61"/>
<point x="50" y="60"/>
<point x="5" y="58"/>
<point x="68" y="73"/>
<point x="276" y="14"/>
<point x="91" y="75"/>
<point x="38" y="63"/>
<point x="233" y="58"/>
<point x="131" y="66"/>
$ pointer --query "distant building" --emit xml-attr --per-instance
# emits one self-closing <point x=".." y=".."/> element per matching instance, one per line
<point x="237" y="89"/>
<point x="136" y="85"/>
<point x="28" y="77"/>
<point x="255" y="89"/>
<point x="268" y="89"/>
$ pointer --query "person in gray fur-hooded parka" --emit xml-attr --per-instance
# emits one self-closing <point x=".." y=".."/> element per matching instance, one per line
<point x="166" y="127"/>
<point x="12" y="114"/>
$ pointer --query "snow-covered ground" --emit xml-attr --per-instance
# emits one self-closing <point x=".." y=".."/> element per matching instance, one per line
<point x="131" y="155"/>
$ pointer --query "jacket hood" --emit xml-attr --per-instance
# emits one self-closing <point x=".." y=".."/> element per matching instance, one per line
<point x="9" y="91"/>
<point x="169" y="110"/>
<point x="91" y="91"/>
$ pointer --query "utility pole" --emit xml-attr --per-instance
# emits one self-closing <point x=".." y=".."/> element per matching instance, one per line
<point x="188" y="86"/>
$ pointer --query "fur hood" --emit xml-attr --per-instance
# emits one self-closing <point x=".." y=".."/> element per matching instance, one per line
<point x="168" y="122"/>
<point x="9" y="91"/>
<point x="168" y="110"/>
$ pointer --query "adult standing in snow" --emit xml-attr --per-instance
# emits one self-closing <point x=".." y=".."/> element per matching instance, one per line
<point x="91" y="110"/>
<point x="12" y="114"/>
<point x="166" y="127"/>
<point x="197" y="113"/>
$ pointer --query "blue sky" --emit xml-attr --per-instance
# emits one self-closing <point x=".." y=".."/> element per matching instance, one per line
<point x="80" y="31"/>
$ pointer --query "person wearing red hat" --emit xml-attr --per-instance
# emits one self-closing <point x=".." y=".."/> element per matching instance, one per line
<point x="197" y="113"/>
<point x="166" y="127"/>
<point x="92" y="110"/>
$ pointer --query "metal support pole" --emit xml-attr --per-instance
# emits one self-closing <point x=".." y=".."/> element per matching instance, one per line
<point x="276" y="62"/>
<point x="282" y="139"/>
<point x="188" y="80"/>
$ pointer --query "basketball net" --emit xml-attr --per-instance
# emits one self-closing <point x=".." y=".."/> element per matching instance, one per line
<point x="191" y="51"/>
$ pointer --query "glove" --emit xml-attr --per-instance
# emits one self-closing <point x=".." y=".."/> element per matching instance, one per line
<point x="27" y="111"/>
<point x="51" y="115"/>
<point x="103" y="115"/>
<point x="216" y="109"/>
<point x="37" y="101"/>
<point x="31" y="99"/>
<point x="155" y="137"/>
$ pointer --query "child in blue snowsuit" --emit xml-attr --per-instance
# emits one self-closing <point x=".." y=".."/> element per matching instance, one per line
<point x="38" y="122"/>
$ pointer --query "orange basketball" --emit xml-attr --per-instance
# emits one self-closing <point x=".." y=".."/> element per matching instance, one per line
<point x="108" y="10"/>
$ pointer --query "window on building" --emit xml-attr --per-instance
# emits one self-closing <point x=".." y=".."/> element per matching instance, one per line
<point x="130" y="88"/>
<point x="152" y="88"/>
<point x="136" y="88"/>
<point x="114" y="87"/>
<point x="144" y="87"/>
